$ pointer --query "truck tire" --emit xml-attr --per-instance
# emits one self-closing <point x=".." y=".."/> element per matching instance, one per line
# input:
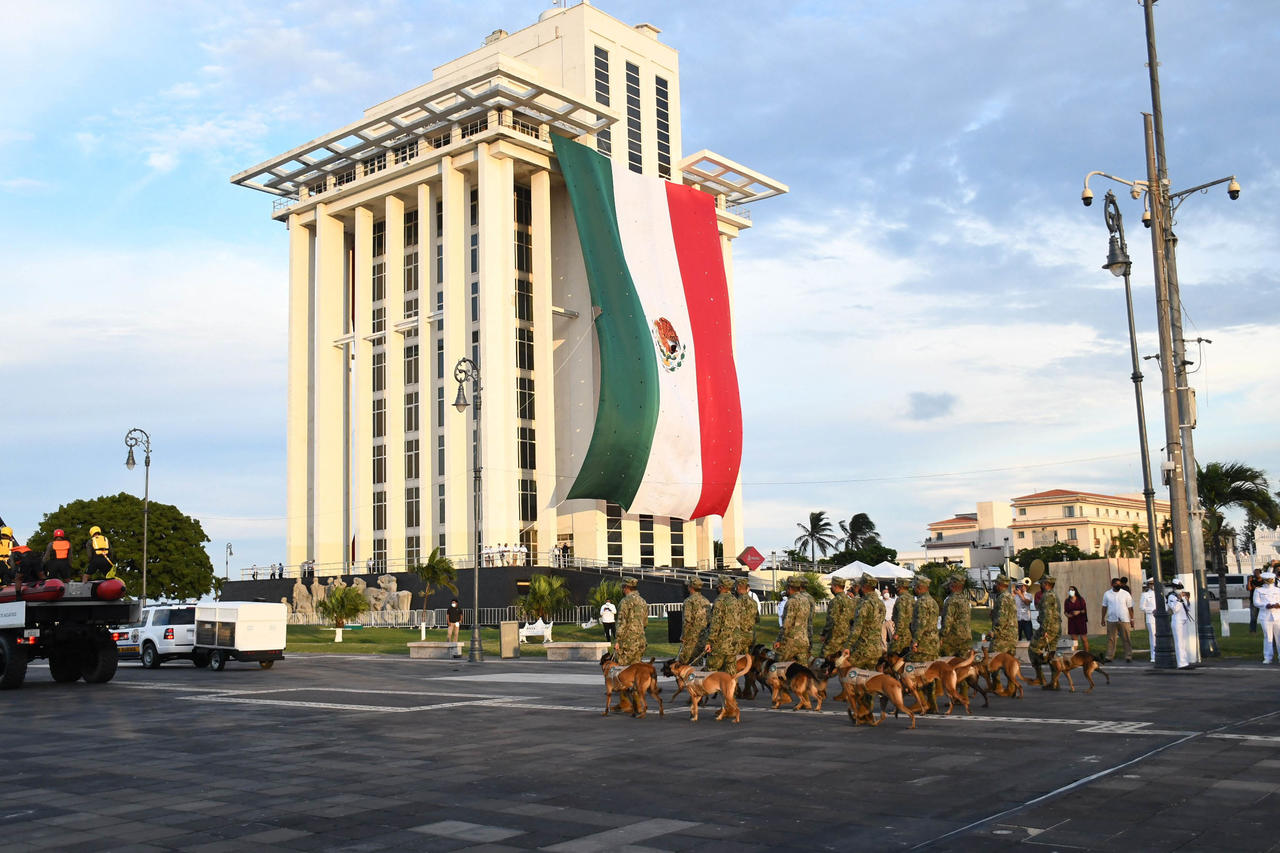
<point x="101" y="658"/>
<point x="150" y="657"/>
<point x="13" y="663"/>
<point x="64" y="663"/>
<point x="218" y="659"/>
<point x="200" y="659"/>
<point x="265" y="664"/>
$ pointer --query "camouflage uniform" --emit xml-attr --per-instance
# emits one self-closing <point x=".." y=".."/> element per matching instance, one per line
<point x="866" y="637"/>
<point x="1004" y="623"/>
<point x="796" y="635"/>
<point x="720" y="633"/>
<point x="904" y="611"/>
<point x="1045" y="640"/>
<point x="695" y="626"/>
<point x="924" y="628"/>
<point x="744" y="627"/>
<point x="840" y="615"/>
<point x="633" y="615"/>
<point x="956" y="638"/>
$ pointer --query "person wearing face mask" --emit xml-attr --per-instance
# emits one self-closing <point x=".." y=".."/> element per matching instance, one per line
<point x="1077" y="612"/>
<point x="1117" y="618"/>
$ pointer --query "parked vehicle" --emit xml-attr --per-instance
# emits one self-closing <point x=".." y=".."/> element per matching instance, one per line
<point x="1236" y="587"/>
<point x="166" y="632"/>
<point x="70" y="631"/>
<point x="241" y="630"/>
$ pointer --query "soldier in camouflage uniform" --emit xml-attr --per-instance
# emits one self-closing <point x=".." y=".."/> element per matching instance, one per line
<point x="955" y="638"/>
<point x="924" y="623"/>
<point x="796" y="634"/>
<point x="720" y="634"/>
<point x="904" y="610"/>
<point x="1044" y="643"/>
<point x="1004" y="619"/>
<point x="744" y="625"/>
<point x="695" y="625"/>
<point x="840" y="613"/>
<point x="865" y="639"/>
<point x="633" y="615"/>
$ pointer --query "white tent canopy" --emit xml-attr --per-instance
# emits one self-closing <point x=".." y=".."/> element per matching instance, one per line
<point x="889" y="570"/>
<point x="884" y="571"/>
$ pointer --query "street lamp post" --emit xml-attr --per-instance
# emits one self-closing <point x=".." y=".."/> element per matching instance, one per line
<point x="1119" y="264"/>
<point x="227" y="568"/>
<point x="465" y="370"/>
<point x="132" y="439"/>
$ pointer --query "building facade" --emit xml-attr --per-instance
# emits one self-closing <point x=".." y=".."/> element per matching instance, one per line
<point x="1087" y="520"/>
<point x="968" y="539"/>
<point x="436" y="228"/>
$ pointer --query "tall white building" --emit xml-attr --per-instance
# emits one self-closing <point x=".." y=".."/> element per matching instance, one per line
<point x="436" y="227"/>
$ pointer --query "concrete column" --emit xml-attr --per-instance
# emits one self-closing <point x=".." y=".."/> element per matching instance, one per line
<point x="630" y="540"/>
<point x="457" y="344"/>
<point x="733" y="538"/>
<point x="497" y="347"/>
<point x="543" y="363"/>
<point x="427" y="428"/>
<point x="361" y="419"/>
<point x="704" y="549"/>
<point x="328" y="465"/>
<point x="298" y="423"/>
<point x="590" y="533"/>
<point x="395" y="382"/>
<point x="661" y="541"/>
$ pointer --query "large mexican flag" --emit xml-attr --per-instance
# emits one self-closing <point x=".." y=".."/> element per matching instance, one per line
<point x="668" y="428"/>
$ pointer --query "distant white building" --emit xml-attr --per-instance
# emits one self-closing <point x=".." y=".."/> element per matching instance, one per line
<point x="967" y="539"/>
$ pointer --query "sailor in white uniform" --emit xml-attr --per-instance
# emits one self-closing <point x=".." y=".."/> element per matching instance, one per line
<point x="1147" y="604"/>
<point x="1267" y="599"/>
<point x="1180" y="621"/>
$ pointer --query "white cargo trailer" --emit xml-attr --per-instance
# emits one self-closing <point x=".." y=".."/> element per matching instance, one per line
<point x="241" y="630"/>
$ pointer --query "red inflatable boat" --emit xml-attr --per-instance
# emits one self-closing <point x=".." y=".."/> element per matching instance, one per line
<point x="46" y="590"/>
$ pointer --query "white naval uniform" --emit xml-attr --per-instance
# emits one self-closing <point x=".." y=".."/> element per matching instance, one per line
<point x="1180" y="622"/>
<point x="1268" y="620"/>
<point x="1147" y="604"/>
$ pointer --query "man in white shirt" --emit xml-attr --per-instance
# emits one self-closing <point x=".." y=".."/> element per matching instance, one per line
<point x="1022" y="599"/>
<point x="1267" y="599"/>
<point x="608" y="616"/>
<point x="1117" y="618"/>
<point x="1147" y="604"/>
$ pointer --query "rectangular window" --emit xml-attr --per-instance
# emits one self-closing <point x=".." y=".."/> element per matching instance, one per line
<point x="475" y="300"/>
<point x="662" y="97"/>
<point x="613" y="533"/>
<point x="379" y="464"/>
<point x="379" y="240"/>
<point x="1071" y="533"/>
<point x="375" y="164"/>
<point x="524" y="299"/>
<point x="380" y="551"/>
<point x="528" y="500"/>
<point x="379" y="281"/>
<point x="379" y="418"/>
<point x="404" y="153"/>
<point x="527" y="448"/>
<point x="440" y="515"/>
<point x="475" y="254"/>
<point x="524" y="206"/>
<point x="411" y="411"/>
<point x="411" y="364"/>
<point x="646" y="540"/>
<point x="440" y="360"/>
<point x="475" y="347"/>
<point x="529" y="539"/>
<point x="677" y="543"/>
<point x="343" y="178"/>
<point x="1068" y="512"/>
<point x="440" y="406"/>
<point x="410" y="285"/>
<point x="379" y="371"/>
<point x="475" y="208"/>
<point x="524" y="252"/>
<point x="412" y="460"/>
<point x="1022" y="510"/>
<point x="439" y="455"/>
<point x="604" y="138"/>
<point x="635" y="162"/>
<point x="524" y="398"/>
<point x="1022" y="534"/>
<point x="380" y="509"/>
<point x="410" y="229"/>
<point x="413" y="550"/>
<point x="524" y="349"/>
<point x="412" y="507"/>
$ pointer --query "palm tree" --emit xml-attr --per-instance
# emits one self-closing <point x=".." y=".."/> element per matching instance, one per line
<point x="436" y="573"/>
<point x="817" y="536"/>
<point x="856" y="532"/>
<point x="606" y="589"/>
<point x="815" y="587"/>
<point x="341" y="605"/>
<point x="1227" y="486"/>
<point x="1130" y="542"/>
<point x="547" y="594"/>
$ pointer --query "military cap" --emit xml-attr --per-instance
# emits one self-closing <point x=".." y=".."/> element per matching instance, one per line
<point x="630" y="582"/>
<point x="837" y="582"/>
<point x="1004" y="579"/>
<point x="867" y="579"/>
<point x="904" y="583"/>
<point x="695" y="583"/>
<point x="795" y="580"/>
<point x="921" y="580"/>
<point x="1047" y="578"/>
<point x="743" y="580"/>
<point x="956" y="578"/>
<point x="724" y="581"/>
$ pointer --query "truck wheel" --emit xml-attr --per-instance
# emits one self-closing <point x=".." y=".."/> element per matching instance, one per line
<point x="200" y="659"/>
<point x="265" y="664"/>
<point x="13" y="663"/>
<point x="64" y="663"/>
<point x="218" y="659"/>
<point x="150" y="657"/>
<point x="101" y="658"/>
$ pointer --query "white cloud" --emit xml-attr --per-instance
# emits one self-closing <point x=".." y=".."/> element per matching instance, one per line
<point x="162" y="161"/>
<point x="21" y="185"/>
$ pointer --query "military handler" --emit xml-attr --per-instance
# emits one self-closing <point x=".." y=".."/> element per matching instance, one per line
<point x="695" y="624"/>
<point x="1045" y="641"/>
<point x="744" y="623"/>
<point x="904" y="611"/>
<point x="1004" y="618"/>
<point x="796" y="635"/>
<point x="633" y="615"/>
<point x="924" y="623"/>
<point x="865" y="639"/>
<point x="719" y="646"/>
<point x="840" y="613"/>
<point x="955" y="637"/>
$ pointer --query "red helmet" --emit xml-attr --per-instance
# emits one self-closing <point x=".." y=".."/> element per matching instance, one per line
<point x="58" y="534"/>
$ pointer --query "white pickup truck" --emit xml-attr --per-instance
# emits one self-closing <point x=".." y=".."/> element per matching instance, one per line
<point x="166" y="632"/>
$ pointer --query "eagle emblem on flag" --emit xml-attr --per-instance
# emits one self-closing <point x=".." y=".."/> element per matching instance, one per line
<point x="670" y="350"/>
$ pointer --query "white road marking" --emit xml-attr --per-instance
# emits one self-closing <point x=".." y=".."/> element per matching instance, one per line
<point x="338" y="706"/>
<point x="529" y="678"/>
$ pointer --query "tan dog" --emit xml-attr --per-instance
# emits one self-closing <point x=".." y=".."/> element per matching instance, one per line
<point x="991" y="666"/>
<point x="940" y="673"/>
<point x="788" y="679"/>
<point x="859" y="686"/>
<point x="1062" y="666"/>
<point x="967" y="671"/>
<point x="633" y="684"/>
<point x="703" y="685"/>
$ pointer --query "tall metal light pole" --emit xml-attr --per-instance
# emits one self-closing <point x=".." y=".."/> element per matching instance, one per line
<point x="1119" y="264"/>
<point x="132" y="439"/>
<point x="227" y="569"/>
<point x="463" y="371"/>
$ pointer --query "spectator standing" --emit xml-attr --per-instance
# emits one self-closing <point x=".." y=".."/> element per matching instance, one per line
<point x="1022" y="598"/>
<point x="1117" y="616"/>
<point x="1267" y="601"/>
<point x="609" y="620"/>
<point x="1147" y="604"/>
<point x="1180" y="621"/>
<point x="1077" y="612"/>
<point x="453" y="618"/>
<point x="1252" y="585"/>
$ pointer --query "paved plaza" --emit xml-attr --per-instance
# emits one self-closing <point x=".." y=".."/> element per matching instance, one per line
<point x="366" y="753"/>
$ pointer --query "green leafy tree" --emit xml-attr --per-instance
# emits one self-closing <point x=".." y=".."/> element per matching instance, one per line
<point x="1058" y="552"/>
<point x="939" y="575"/>
<point x="817" y="536"/>
<point x="178" y="567"/>
<point x="1233" y="485"/>
<point x="814" y="586"/>
<point x="857" y="532"/>
<point x="1129" y="542"/>
<point x="547" y="594"/>
<point x="437" y="572"/>
<point x="342" y="604"/>
<point x="606" y="589"/>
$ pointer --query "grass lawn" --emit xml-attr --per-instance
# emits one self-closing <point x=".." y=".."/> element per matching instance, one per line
<point x="393" y="641"/>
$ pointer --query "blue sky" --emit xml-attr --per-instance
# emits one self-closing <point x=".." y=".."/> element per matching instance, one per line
<point x="922" y="321"/>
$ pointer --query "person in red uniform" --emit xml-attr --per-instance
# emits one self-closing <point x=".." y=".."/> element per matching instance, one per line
<point x="57" y="557"/>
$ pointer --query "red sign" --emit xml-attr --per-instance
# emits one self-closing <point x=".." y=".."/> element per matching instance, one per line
<point x="751" y="558"/>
